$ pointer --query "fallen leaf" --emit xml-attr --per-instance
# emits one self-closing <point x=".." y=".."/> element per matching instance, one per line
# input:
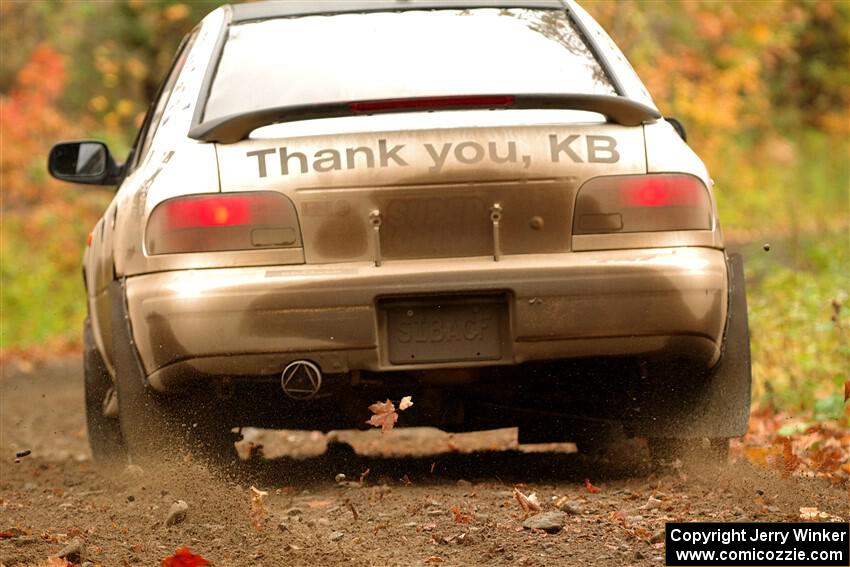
<point x="590" y="488"/>
<point x="651" y="504"/>
<point x="184" y="558"/>
<point x="812" y="513"/>
<point x="434" y="559"/>
<point x="258" y="511"/>
<point x="318" y="504"/>
<point x="527" y="504"/>
<point x="385" y="415"/>
<point x="642" y="533"/>
<point x="58" y="562"/>
<point x="461" y="517"/>
<point x="827" y="459"/>
<point x="789" y="459"/>
<point x="353" y="510"/>
<point x="405" y="403"/>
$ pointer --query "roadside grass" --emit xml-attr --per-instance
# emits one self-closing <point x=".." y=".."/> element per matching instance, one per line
<point x="42" y="300"/>
<point x="41" y="248"/>
<point x="800" y="324"/>
<point x="798" y="292"/>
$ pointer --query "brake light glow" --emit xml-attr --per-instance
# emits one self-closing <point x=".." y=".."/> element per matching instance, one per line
<point x="656" y="191"/>
<point x="642" y="203"/>
<point x="238" y="221"/>
<point x="436" y="102"/>
<point x="211" y="211"/>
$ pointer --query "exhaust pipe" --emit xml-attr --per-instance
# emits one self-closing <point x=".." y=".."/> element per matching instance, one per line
<point x="301" y="380"/>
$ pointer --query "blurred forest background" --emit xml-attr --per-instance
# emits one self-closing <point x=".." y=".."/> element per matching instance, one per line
<point x="763" y="88"/>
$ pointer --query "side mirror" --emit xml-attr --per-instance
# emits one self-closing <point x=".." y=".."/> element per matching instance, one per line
<point x="678" y="127"/>
<point x="88" y="162"/>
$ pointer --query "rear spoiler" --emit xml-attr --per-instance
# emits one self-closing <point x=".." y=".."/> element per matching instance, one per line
<point x="237" y="127"/>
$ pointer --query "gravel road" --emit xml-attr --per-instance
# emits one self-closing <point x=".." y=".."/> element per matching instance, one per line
<point x="412" y="497"/>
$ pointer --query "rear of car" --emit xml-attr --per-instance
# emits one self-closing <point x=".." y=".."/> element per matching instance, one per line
<point x="452" y="199"/>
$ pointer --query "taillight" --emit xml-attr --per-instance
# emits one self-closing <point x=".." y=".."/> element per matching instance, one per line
<point x="642" y="203"/>
<point x="217" y="222"/>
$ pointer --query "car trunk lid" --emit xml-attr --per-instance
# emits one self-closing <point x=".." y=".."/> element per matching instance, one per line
<point x="431" y="191"/>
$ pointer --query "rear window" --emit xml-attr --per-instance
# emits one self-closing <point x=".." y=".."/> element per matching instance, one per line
<point x="347" y="57"/>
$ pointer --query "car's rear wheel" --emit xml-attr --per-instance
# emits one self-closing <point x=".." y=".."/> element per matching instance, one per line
<point x="144" y="422"/>
<point x="104" y="430"/>
<point x="689" y="411"/>
<point x="162" y="428"/>
<point x="155" y="427"/>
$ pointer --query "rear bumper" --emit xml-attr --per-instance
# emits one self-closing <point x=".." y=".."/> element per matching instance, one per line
<point x="255" y="320"/>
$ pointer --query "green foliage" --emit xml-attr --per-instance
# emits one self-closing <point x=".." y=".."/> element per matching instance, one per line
<point x="43" y="299"/>
<point x="800" y="323"/>
<point x="798" y="183"/>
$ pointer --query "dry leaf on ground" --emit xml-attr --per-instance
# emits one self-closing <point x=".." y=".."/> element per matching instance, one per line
<point x="258" y="511"/>
<point x="183" y="557"/>
<point x="461" y="517"/>
<point x="789" y="459"/>
<point x="528" y="503"/>
<point x="795" y="446"/>
<point x="811" y="513"/>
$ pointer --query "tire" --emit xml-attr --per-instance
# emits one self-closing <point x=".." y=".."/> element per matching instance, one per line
<point x="104" y="432"/>
<point x="682" y="401"/>
<point x="146" y="418"/>
<point x="144" y="421"/>
<point x="162" y="428"/>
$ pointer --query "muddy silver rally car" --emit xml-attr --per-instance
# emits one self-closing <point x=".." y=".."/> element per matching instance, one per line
<point x="476" y="203"/>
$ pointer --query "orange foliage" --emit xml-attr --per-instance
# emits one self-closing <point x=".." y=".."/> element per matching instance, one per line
<point x="821" y="450"/>
<point x="725" y="68"/>
<point x="30" y="121"/>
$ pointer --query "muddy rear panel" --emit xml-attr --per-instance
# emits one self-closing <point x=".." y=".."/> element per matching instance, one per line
<point x="433" y="193"/>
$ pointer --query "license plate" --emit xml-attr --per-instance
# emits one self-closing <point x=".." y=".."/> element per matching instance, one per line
<point x="450" y="331"/>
